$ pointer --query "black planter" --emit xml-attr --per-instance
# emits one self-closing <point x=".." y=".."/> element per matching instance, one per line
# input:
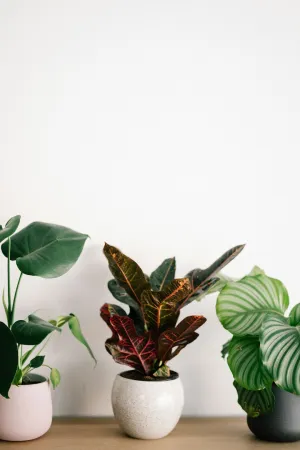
<point x="282" y="424"/>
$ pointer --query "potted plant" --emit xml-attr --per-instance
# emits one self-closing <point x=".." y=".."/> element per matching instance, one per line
<point x="147" y="401"/>
<point x="263" y="353"/>
<point x="47" y="251"/>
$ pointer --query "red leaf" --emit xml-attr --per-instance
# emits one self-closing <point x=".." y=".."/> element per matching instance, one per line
<point x="131" y="349"/>
<point x="178" y="337"/>
<point x="107" y="312"/>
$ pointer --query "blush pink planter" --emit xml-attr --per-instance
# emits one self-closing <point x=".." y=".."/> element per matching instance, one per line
<point x="27" y="414"/>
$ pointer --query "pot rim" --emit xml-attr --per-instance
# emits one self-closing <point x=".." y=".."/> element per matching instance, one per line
<point x="174" y="377"/>
<point x="37" y="376"/>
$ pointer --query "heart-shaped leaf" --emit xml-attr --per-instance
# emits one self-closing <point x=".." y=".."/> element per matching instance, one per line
<point x="32" y="332"/>
<point x="243" y="305"/>
<point x="160" y="308"/>
<point x="245" y="362"/>
<point x="54" y="377"/>
<point x="127" y="272"/>
<point x="36" y="362"/>
<point x="75" y="328"/>
<point x="163" y="275"/>
<point x="280" y="347"/>
<point x="135" y="312"/>
<point x="10" y="227"/>
<point x="45" y="250"/>
<point x="131" y="349"/>
<point x="8" y="358"/>
<point x="255" y="403"/>
<point x="199" y="278"/>
<point x="178" y="337"/>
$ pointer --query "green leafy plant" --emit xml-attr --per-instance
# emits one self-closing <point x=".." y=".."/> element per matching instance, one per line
<point x="43" y="250"/>
<point x="265" y="346"/>
<point x="147" y="337"/>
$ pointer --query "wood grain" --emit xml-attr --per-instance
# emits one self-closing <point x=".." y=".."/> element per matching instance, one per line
<point x="190" y="434"/>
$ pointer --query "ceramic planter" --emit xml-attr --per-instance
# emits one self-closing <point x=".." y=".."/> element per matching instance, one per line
<point x="283" y="423"/>
<point x="27" y="414"/>
<point x="147" y="409"/>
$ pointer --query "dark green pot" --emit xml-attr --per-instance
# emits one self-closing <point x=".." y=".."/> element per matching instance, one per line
<point x="282" y="424"/>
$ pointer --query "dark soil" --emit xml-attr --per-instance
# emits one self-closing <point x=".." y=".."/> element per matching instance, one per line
<point x="134" y="375"/>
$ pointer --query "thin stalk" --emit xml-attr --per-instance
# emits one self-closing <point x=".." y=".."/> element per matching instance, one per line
<point x="15" y="299"/>
<point x="8" y="285"/>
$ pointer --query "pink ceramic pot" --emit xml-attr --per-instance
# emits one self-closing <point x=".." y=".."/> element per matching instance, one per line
<point x="27" y="414"/>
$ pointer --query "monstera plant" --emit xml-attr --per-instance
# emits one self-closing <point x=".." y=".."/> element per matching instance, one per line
<point x="147" y="336"/>
<point x="265" y="346"/>
<point x="44" y="250"/>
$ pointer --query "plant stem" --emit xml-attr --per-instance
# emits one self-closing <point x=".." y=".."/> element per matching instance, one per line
<point x="15" y="299"/>
<point x="8" y="285"/>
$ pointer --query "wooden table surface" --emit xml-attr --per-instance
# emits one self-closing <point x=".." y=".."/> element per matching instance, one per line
<point x="190" y="434"/>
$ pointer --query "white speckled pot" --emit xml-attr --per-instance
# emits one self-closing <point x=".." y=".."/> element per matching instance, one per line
<point x="27" y="414"/>
<point x="147" y="409"/>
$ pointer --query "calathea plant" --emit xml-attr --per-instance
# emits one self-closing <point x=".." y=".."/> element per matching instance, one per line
<point x="44" y="250"/>
<point x="265" y="346"/>
<point x="148" y="337"/>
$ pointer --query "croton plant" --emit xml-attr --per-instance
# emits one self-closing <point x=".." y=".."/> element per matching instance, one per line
<point x="148" y="337"/>
<point x="44" y="250"/>
<point x="265" y="346"/>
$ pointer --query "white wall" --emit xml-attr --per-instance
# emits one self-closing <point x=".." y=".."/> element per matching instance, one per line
<point x="166" y="127"/>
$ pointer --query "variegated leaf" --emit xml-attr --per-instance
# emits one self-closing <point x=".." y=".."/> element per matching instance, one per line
<point x="295" y="315"/>
<point x="162" y="372"/>
<point x="255" y="403"/>
<point x="245" y="362"/>
<point x="200" y="278"/>
<point x="178" y="338"/>
<point x="280" y="346"/>
<point x="160" y="308"/>
<point x="131" y="349"/>
<point x="127" y="272"/>
<point x="163" y="275"/>
<point x="107" y="312"/>
<point x="243" y="305"/>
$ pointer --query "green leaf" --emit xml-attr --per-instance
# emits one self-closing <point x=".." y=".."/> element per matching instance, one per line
<point x="160" y="309"/>
<point x="36" y="362"/>
<point x="135" y="311"/>
<point x="245" y="362"/>
<point x="256" y="271"/>
<point x="75" y="328"/>
<point x="280" y="346"/>
<point x="163" y="275"/>
<point x="8" y="358"/>
<point x="32" y="332"/>
<point x="10" y="227"/>
<point x="127" y="272"/>
<point x="255" y="403"/>
<point x="225" y="349"/>
<point x="26" y="355"/>
<point x="45" y="250"/>
<point x="54" y="377"/>
<point x="162" y="372"/>
<point x="243" y="305"/>
<point x="294" y="316"/>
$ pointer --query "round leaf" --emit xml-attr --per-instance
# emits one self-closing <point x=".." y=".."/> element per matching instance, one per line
<point x="245" y="362"/>
<point x="243" y="305"/>
<point x="295" y="315"/>
<point x="8" y="359"/>
<point x="10" y="227"/>
<point x="255" y="403"/>
<point x="45" y="250"/>
<point x="280" y="346"/>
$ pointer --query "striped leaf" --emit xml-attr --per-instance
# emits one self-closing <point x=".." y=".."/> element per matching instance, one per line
<point x="255" y="403"/>
<point x="160" y="308"/>
<point x="295" y="315"/>
<point x="225" y="349"/>
<point x="245" y="362"/>
<point x="280" y="346"/>
<point x="163" y="275"/>
<point x="243" y="305"/>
